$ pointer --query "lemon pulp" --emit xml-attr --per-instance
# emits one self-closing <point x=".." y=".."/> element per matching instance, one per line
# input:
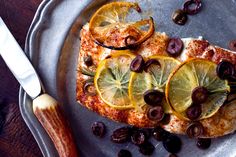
<point x="155" y="78"/>
<point x="189" y="75"/>
<point x="112" y="79"/>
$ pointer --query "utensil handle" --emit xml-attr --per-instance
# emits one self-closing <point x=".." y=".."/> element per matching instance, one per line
<point x="47" y="111"/>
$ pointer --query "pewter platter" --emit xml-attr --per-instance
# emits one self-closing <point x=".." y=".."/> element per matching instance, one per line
<point x="53" y="46"/>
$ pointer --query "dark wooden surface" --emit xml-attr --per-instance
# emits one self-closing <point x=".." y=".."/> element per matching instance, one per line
<point x="15" y="138"/>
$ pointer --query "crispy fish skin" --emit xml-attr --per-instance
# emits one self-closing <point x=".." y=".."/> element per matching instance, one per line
<point x="222" y="123"/>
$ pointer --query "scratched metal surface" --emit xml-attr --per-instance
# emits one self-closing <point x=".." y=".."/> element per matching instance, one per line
<point x="53" y="47"/>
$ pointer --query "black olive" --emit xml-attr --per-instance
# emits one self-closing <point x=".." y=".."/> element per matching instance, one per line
<point x="153" y="97"/>
<point x="88" y="60"/>
<point x="199" y="95"/>
<point x="3" y="113"/>
<point x="166" y="119"/>
<point x="175" y="47"/>
<point x="192" y="7"/>
<point x="194" y="112"/>
<point x="225" y="70"/>
<point x="2" y="121"/>
<point x="147" y="131"/>
<point x="203" y="143"/>
<point x="232" y="79"/>
<point x="172" y="144"/>
<point x="195" y="129"/>
<point x="151" y="62"/>
<point x="147" y="148"/>
<point x="138" y="9"/>
<point x="124" y="153"/>
<point x="137" y="64"/>
<point x="232" y="45"/>
<point x="2" y="101"/>
<point x="173" y="155"/>
<point x="107" y="57"/>
<point x="155" y="113"/>
<point x="160" y="134"/>
<point x="179" y="17"/>
<point x="134" y="128"/>
<point x="129" y="40"/>
<point x="98" y="129"/>
<point x="121" y="135"/>
<point x="138" y="137"/>
<point x="89" y="88"/>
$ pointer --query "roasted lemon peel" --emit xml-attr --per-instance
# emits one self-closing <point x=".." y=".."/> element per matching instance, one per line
<point x="112" y="16"/>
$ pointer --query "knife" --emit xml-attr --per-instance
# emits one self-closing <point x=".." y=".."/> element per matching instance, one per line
<point x="45" y="107"/>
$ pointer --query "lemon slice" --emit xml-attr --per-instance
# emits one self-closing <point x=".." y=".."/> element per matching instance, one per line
<point x="112" y="79"/>
<point x="155" y="78"/>
<point x="139" y="84"/>
<point x="189" y="75"/>
<point x="110" y="27"/>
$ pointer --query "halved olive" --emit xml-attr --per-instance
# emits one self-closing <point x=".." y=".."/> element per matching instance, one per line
<point x="192" y="7"/>
<point x="160" y="134"/>
<point x="121" y="135"/>
<point x="232" y="79"/>
<point x="138" y="137"/>
<point x="155" y="113"/>
<point x="149" y="33"/>
<point x="179" y="17"/>
<point x="172" y="144"/>
<point x="166" y="119"/>
<point x="194" y="112"/>
<point x="88" y="60"/>
<point x="89" y="88"/>
<point x="137" y="64"/>
<point x="146" y="131"/>
<point x="138" y="9"/>
<point x="203" y="143"/>
<point x="124" y="153"/>
<point x="147" y="148"/>
<point x="199" y="95"/>
<point x="195" y="129"/>
<point x="232" y="45"/>
<point x="129" y="40"/>
<point x="153" y="97"/>
<point x="175" y="47"/>
<point x="98" y="129"/>
<point x="151" y="62"/>
<point x="225" y="70"/>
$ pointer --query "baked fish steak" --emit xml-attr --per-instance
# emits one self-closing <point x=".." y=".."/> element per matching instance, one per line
<point x="221" y="123"/>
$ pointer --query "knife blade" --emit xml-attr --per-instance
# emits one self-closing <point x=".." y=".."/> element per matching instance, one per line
<point x="45" y="107"/>
<point x="18" y="63"/>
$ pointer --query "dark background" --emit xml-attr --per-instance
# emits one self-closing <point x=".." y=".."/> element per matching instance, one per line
<point x="15" y="138"/>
